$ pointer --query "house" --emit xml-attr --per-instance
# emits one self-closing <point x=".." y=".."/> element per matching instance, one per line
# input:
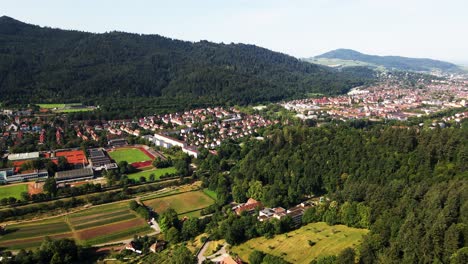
<point x="268" y="213"/>
<point x="248" y="207"/>
<point x="158" y="246"/>
<point x="131" y="246"/>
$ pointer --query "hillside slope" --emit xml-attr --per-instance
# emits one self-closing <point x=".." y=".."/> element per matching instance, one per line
<point x="53" y="65"/>
<point x="389" y="62"/>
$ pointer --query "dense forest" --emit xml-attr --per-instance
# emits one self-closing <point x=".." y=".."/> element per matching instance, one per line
<point x="52" y="65"/>
<point x="408" y="186"/>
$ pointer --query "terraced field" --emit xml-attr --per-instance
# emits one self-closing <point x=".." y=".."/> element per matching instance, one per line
<point x="98" y="224"/>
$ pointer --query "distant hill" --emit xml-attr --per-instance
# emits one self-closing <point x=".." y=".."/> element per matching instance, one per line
<point x="346" y="57"/>
<point x="40" y="64"/>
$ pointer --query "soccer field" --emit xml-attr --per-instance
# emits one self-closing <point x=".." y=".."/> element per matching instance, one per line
<point x="129" y="155"/>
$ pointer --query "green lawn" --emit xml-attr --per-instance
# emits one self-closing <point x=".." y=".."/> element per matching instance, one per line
<point x="14" y="190"/>
<point x="157" y="173"/>
<point x="51" y="106"/>
<point x="74" y="110"/>
<point x="294" y="246"/>
<point x="211" y="193"/>
<point x="185" y="204"/>
<point x="129" y="155"/>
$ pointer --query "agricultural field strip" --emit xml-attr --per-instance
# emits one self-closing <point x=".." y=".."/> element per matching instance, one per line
<point x="165" y="194"/>
<point x="28" y="243"/>
<point x="38" y="230"/>
<point x="140" y="230"/>
<point x="106" y="221"/>
<point x="99" y="209"/>
<point x="92" y="233"/>
<point x="96" y="216"/>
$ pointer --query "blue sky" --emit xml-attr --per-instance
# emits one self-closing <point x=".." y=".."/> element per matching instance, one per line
<point x="302" y="28"/>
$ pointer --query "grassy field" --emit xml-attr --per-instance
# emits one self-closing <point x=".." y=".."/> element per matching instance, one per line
<point x="186" y="204"/>
<point x="157" y="173"/>
<point x="294" y="246"/>
<point x="13" y="190"/>
<point x="211" y="193"/>
<point x="213" y="247"/>
<point x="129" y="155"/>
<point x="98" y="224"/>
<point x="51" y="106"/>
<point x="65" y="108"/>
<point x="74" y="110"/>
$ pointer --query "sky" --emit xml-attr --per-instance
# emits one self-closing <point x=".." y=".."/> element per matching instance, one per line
<point x="435" y="29"/>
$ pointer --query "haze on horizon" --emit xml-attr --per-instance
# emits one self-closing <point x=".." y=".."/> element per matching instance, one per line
<point x="301" y="28"/>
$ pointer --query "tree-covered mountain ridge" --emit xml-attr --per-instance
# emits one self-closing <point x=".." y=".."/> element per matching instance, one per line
<point x="389" y="62"/>
<point x="52" y="65"/>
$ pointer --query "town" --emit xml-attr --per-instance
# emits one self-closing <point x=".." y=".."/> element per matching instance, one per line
<point x="386" y="100"/>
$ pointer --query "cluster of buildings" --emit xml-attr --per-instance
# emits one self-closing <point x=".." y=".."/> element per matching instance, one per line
<point x="387" y="100"/>
<point x="82" y="167"/>
<point x="266" y="213"/>
<point x="206" y="127"/>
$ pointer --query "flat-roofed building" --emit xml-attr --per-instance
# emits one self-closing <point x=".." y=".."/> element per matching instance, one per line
<point x="31" y="175"/>
<point x="23" y="156"/>
<point x="98" y="158"/>
<point x="5" y="173"/>
<point x="74" y="175"/>
<point x="118" y="142"/>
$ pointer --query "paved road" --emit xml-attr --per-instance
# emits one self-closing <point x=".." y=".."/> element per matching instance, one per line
<point x="155" y="226"/>
<point x="200" y="256"/>
<point x="219" y="255"/>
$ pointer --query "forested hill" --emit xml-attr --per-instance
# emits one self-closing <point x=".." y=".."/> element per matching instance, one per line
<point x="51" y="65"/>
<point x="391" y="62"/>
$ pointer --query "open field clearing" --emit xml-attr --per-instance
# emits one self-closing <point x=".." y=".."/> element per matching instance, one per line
<point x="210" y="193"/>
<point x="213" y="247"/>
<point x="196" y="244"/>
<point x="183" y="203"/>
<point x="51" y="106"/>
<point x="66" y="108"/>
<point x="129" y="155"/>
<point x="99" y="224"/>
<point x="294" y="246"/>
<point x="157" y="173"/>
<point x="13" y="190"/>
